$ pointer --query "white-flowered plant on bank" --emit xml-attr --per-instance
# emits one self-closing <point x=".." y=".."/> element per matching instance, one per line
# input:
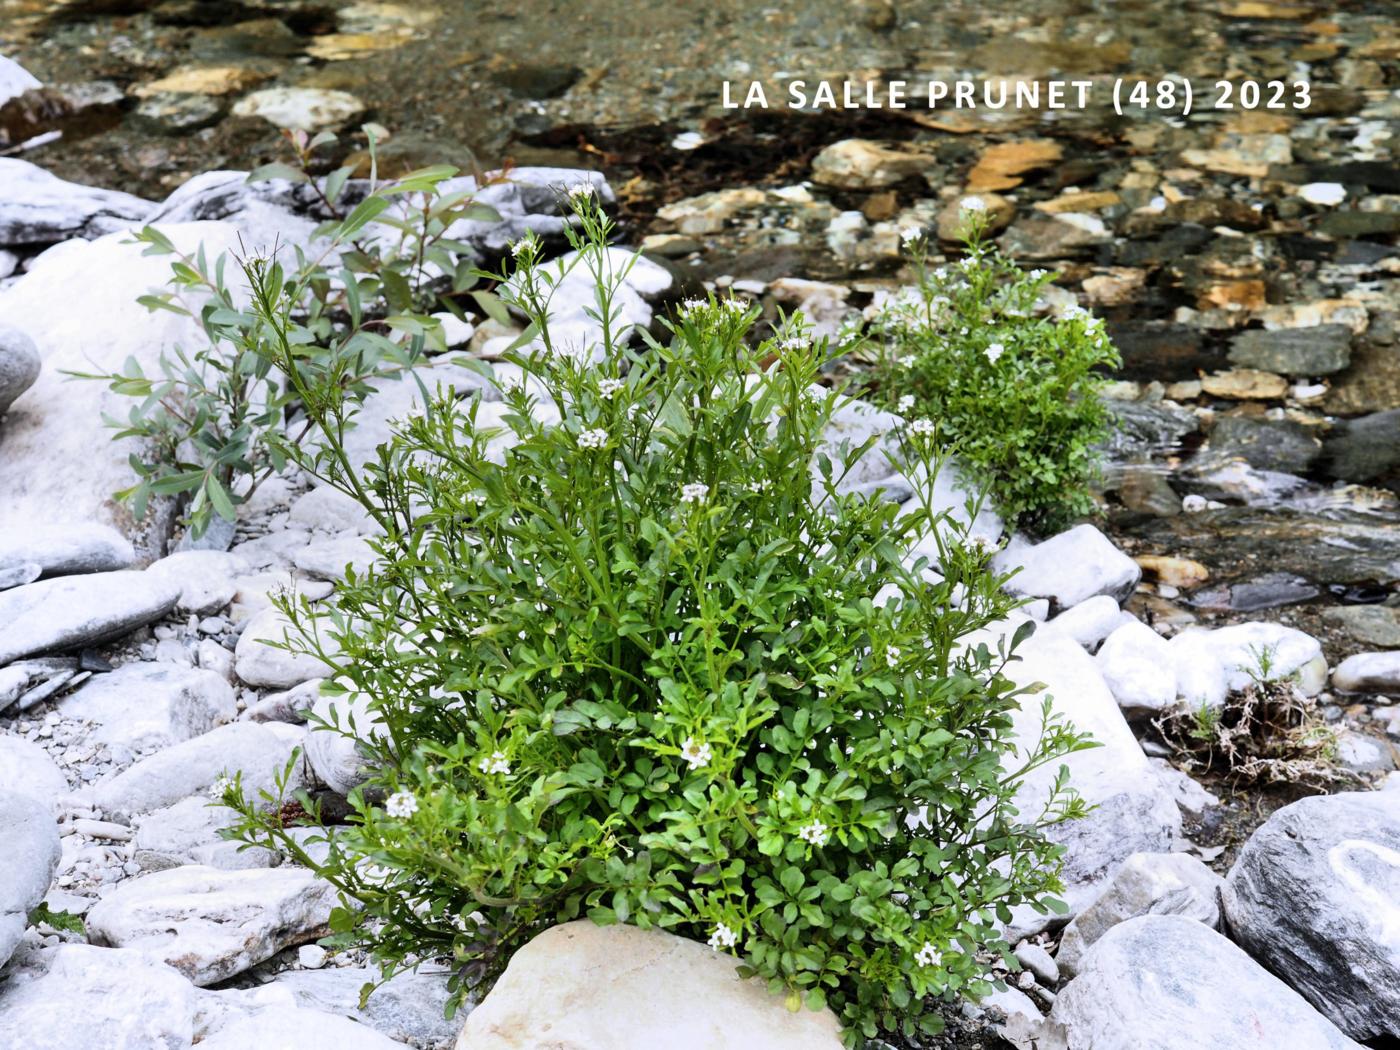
<point x="696" y="753"/>
<point x="401" y="805"/>
<point x="593" y="438"/>
<point x="695" y="492"/>
<point x="495" y="764"/>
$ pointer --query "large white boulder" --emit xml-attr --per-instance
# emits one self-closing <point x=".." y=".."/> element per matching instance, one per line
<point x="1167" y="982"/>
<point x="1315" y="896"/>
<point x="39" y="208"/>
<point x="591" y="987"/>
<point x="211" y="924"/>
<point x="73" y="611"/>
<point x="260" y="661"/>
<point x="143" y="706"/>
<point x="28" y="860"/>
<point x="1069" y="568"/>
<point x="1136" y="664"/>
<point x="58" y="461"/>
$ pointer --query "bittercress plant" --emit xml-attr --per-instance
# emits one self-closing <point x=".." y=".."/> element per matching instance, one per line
<point x="631" y="651"/>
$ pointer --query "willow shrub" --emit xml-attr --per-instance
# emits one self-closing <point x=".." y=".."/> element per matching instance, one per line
<point x="1016" y="393"/>
<point x="631" y="654"/>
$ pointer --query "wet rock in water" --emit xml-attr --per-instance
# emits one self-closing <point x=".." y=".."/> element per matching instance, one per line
<point x="39" y="209"/>
<point x="1364" y="449"/>
<point x="1171" y="983"/>
<point x="27" y="769"/>
<point x="1245" y="384"/>
<point x="624" y="988"/>
<point x="1001" y="165"/>
<point x="258" y="751"/>
<point x="211" y="924"/>
<point x="1130" y="810"/>
<point x="260" y="664"/>
<point x="1281" y="446"/>
<point x="1146" y="884"/>
<point x="1368" y="673"/>
<point x="27" y="863"/>
<point x="1309" y="352"/>
<point x="19" y="367"/>
<point x="144" y="706"/>
<point x="1268" y="591"/>
<point x="1091" y="621"/>
<point x="63" y="550"/>
<point x="301" y="108"/>
<point x="1136" y="665"/>
<point x="859" y="164"/>
<point x="178" y="113"/>
<point x="1315" y="896"/>
<point x="536" y="79"/>
<point x="1377" y="625"/>
<point x="73" y="110"/>
<point x="1144" y="489"/>
<point x="73" y="611"/>
<point x="1173" y="571"/>
<point x="1041" y="237"/>
<point x="1143" y="429"/>
<point x="1237" y="480"/>
<point x="1069" y="568"/>
<point x="94" y="998"/>
<point x="408" y="1007"/>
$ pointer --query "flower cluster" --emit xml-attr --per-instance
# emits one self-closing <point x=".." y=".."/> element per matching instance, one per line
<point x="816" y="833"/>
<point x="609" y="388"/>
<point x="928" y="955"/>
<point x="695" y="492"/>
<point x="494" y="763"/>
<point x="401" y="805"/>
<point x="695" y="753"/>
<point x="723" y="937"/>
<point x="597" y="437"/>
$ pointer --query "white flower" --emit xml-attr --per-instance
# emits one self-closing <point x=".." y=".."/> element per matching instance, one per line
<point x="973" y="204"/>
<point x="928" y="955"/>
<point x="905" y="403"/>
<point x="796" y="342"/>
<point x="816" y="833"/>
<point x="595" y="438"/>
<point x="696" y="755"/>
<point x="401" y="805"/>
<point x="580" y="190"/>
<point x="220" y="787"/>
<point x="495" y="762"/>
<point x="761" y="485"/>
<point x="922" y="427"/>
<point x="734" y="306"/>
<point x="607" y="388"/>
<point x="891" y="655"/>
<point x="993" y="351"/>
<point x="723" y="937"/>
<point x="1037" y="274"/>
<point x="695" y="492"/>
<point x="689" y="307"/>
<point x="985" y="544"/>
<point x="941" y="273"/>
<point x="910" y="234"/>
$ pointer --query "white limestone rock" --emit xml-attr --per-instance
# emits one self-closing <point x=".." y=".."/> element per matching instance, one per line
<point x="73" y="611"/>
<point x="143" y="706"/>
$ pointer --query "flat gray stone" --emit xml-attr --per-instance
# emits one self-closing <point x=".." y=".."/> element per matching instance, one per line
<point x="19" y="367"/>
<point x="74" y="611"/>
<point x="143" y="706"/>
<point x="38" y="208"/>
<point x="1319" y="350"/>
<point x="28" y="860"/>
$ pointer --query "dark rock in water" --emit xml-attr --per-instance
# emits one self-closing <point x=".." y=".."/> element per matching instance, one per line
<point x="1142" y="429"/>
<point x="1376" y="625"/>
<point x="1162" y="350"/>
<point x="1050" y="237"/>
<point x="1265" y="592"/>
<point x="1215" y="211"/>
<point x="1281" y="446"/>
<point x="1360" y="224"/>
<point x="537" y="80"/>
<point x="74" y="109"/>
<point x="1365" y="449"/>
<point x="1144" y="489"/>
<point x="1172" y="244"/>
<point x="1316" y="351"/>
<point x="1315" y="897"/>
<point x="178" y="112"/>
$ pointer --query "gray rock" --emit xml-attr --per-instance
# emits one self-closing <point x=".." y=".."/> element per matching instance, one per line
<point x="408" y="1007"/>
<point x="74" y="611"/>
<point x="1137" y="667"/>
<point x="1170" y="983"/>
<point x="527" y="200"/>
<point x="206" y="579"/>
<point x="27" y="769"/>
<point x="27" y="863"/>
<point x="1315" y="896"/>
<point x="1364" y="449"/>
<point x="279" y="1026"/>
<point x="190" y="768"/>
<point x="1283" y="447"/>
<point x="263" y="212"/>
<point x="30" y="681"/>
<point x="1377" y="625"/>
<point x="327" y="509"/>
<point x="335" y="754"/>
<point x="328" y="559"/>
<point x="178" y="112"/>
<point x="17" y="575"/>
<point x="1368" y="673"/>
<point x="1015" y="1017"/>
<point x="211" y="924"/>
<point x="19" y="366"/>
<point x="290" y="705"/>
<point x="99" y="999"/>
<point x="258" y="663"/>
<point x="65" y="550"/>
<point x="1146" y="884"/>
<point x="188" y="833"/>
<point x="145" y="706"/>
<point x="1038" y="961"/>
<point x="37" y="208"/>
<point x="1069" y="568"/>
<point x="1316" y="351"/>
<point x="1268" y="591"/>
